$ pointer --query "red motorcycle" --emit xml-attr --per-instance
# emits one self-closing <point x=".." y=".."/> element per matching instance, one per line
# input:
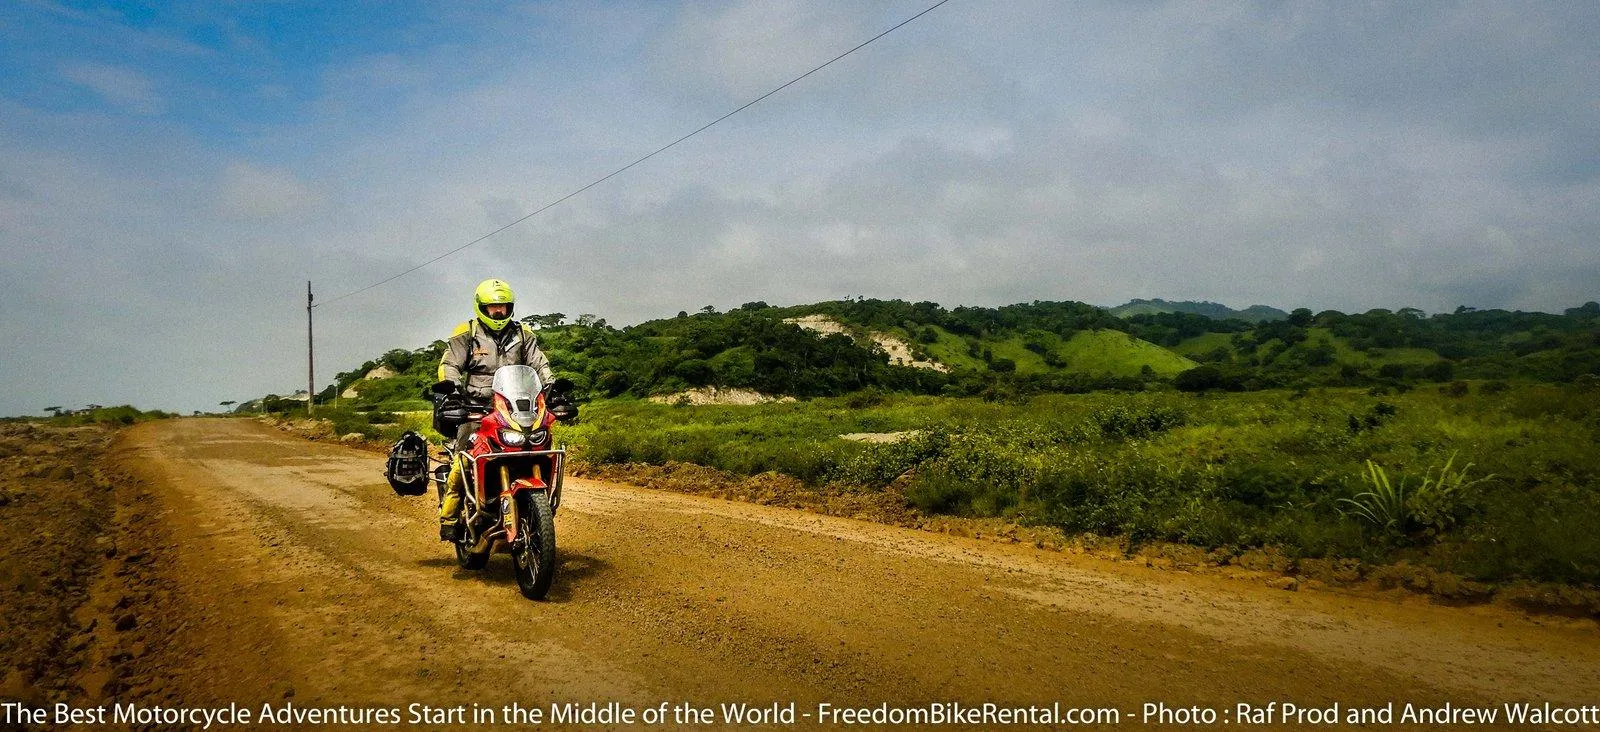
<point x="512" y="476"/>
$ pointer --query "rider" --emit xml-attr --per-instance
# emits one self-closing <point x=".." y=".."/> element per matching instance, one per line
<point x="476" y="348"/>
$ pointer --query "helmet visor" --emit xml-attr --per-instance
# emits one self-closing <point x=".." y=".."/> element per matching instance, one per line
<point x="496" y="310"/>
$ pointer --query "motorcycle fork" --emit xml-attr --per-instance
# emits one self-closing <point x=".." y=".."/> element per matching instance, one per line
<point x="496" y="530"/>
<point x="512" y="510"/>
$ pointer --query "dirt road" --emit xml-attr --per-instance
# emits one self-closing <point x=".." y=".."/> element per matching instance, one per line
<point x="297" y="574"/>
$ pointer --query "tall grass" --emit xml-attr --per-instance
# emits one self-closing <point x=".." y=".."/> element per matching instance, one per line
<point x="1324" y="473"/>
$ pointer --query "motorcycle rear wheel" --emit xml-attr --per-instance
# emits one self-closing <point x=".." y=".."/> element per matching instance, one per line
<point x="535" y="554"/>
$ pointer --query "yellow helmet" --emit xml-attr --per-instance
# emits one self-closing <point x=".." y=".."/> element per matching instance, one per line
<point x="493" y="292"/>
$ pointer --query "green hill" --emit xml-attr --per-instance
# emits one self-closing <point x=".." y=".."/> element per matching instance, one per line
<point x="1115" y="352"/>
<point x="1215" y="311"/>
<point x="1206" y="346"/>
<point x="1014" y="350"/>
<point x="1201" y="345"/>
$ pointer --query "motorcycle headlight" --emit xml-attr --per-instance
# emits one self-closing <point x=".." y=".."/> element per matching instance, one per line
<point x="537" y="437"/>
<point x="512" y="438"/>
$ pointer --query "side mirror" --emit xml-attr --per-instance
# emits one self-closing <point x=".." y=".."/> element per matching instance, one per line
<point x="443" y="388"/>
<point x="562" y="386"/>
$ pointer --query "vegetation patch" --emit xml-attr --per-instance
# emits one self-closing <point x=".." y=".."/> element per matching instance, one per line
<point x="1460" y="487"/>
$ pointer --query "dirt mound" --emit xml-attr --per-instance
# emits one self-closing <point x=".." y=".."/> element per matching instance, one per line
<point x="878" y="438"/>
<point x="379" y="372"/>
<point x="712" y="395"/>
<point x="898" y="350"/>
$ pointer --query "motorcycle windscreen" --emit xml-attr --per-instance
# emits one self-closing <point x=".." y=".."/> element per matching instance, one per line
<point x="520" y="386"/>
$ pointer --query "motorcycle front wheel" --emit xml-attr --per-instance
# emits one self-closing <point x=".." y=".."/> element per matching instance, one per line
<point x="535" y="553"/>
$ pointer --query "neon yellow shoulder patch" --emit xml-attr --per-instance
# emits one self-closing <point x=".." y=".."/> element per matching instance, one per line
<point x="466" y="325"/>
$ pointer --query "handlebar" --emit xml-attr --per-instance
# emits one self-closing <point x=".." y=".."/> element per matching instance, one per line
<point x="557" y="398"/>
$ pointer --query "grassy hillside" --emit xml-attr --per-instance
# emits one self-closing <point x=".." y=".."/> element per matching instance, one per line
<point x="945" y="347"/>
<point x="1115" y="352"/>
<point x="1018" y="350"/>
<point x="1204" y="344"/>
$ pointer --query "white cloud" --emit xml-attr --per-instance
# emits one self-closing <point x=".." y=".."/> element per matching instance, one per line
<point x="121" y="87"/>
<point x="743" y="49"/>
<point x="986" y="154"/>
<point x="256" y="192"/>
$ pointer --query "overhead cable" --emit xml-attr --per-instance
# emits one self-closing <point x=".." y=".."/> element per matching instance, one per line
<point x="624" y="168"/>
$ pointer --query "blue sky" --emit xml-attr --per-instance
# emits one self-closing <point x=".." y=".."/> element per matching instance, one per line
<point x="171" y="174"/>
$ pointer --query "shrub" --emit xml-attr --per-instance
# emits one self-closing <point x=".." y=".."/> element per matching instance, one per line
<point x="1493" y="387"/>
<point x="1123" y="423"/>
<point x="1432" y="507"/>
<point x="1199" y="378"/>
<point x="1437" y="504"/>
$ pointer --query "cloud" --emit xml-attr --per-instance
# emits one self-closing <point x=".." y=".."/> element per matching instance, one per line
<point x="121" y="87"/>
<point x="255" y="192"/>
<point x="1327" y="156"/>
<point x="742" y="50"/>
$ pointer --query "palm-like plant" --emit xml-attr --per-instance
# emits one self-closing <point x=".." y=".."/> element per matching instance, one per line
<point x="1393" y="506"/>
<point x="1384" y="504"/>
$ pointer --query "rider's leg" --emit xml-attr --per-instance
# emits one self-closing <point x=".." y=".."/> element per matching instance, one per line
<point x="455" y="484"/>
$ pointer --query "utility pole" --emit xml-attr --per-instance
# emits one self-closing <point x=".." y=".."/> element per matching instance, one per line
<point x="311" y="368"/>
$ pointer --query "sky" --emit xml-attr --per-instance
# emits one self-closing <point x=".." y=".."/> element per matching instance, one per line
<point x="172" y="174"/>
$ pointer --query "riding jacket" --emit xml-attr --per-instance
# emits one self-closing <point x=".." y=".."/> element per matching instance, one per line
<point x="475" y="352"/>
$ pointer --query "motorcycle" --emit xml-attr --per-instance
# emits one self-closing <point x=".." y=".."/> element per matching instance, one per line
<point x="512" y="475"/>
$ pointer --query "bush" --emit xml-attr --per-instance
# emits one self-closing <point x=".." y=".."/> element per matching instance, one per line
<point x="1120" y="423"/>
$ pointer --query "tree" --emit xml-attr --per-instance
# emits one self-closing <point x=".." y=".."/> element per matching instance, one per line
<point x="1199" y="378"/>
<point x="230" y="402"/>
<point x="1590" y="309"/>
<point x="695" y="371"/>
<point x="553" y="320"/>
<point x="398" y="360"/>
<point x="1300" y="318"/>
<point x="1321" y="354"/>
<point x="1439" y="371"/>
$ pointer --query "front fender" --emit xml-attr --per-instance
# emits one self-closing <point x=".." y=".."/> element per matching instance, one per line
<point x="518" y="486"/>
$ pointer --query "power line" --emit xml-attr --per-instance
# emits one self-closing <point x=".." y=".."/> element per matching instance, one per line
<point x="652" y="154"/>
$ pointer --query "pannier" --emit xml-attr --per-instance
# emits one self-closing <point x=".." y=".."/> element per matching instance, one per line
<point x="407" y="470"/>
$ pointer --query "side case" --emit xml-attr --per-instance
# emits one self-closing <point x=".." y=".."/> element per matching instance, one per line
<point x="407" y="469"/>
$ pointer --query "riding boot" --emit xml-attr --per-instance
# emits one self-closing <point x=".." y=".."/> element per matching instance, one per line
<point x="450" y="506"/>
